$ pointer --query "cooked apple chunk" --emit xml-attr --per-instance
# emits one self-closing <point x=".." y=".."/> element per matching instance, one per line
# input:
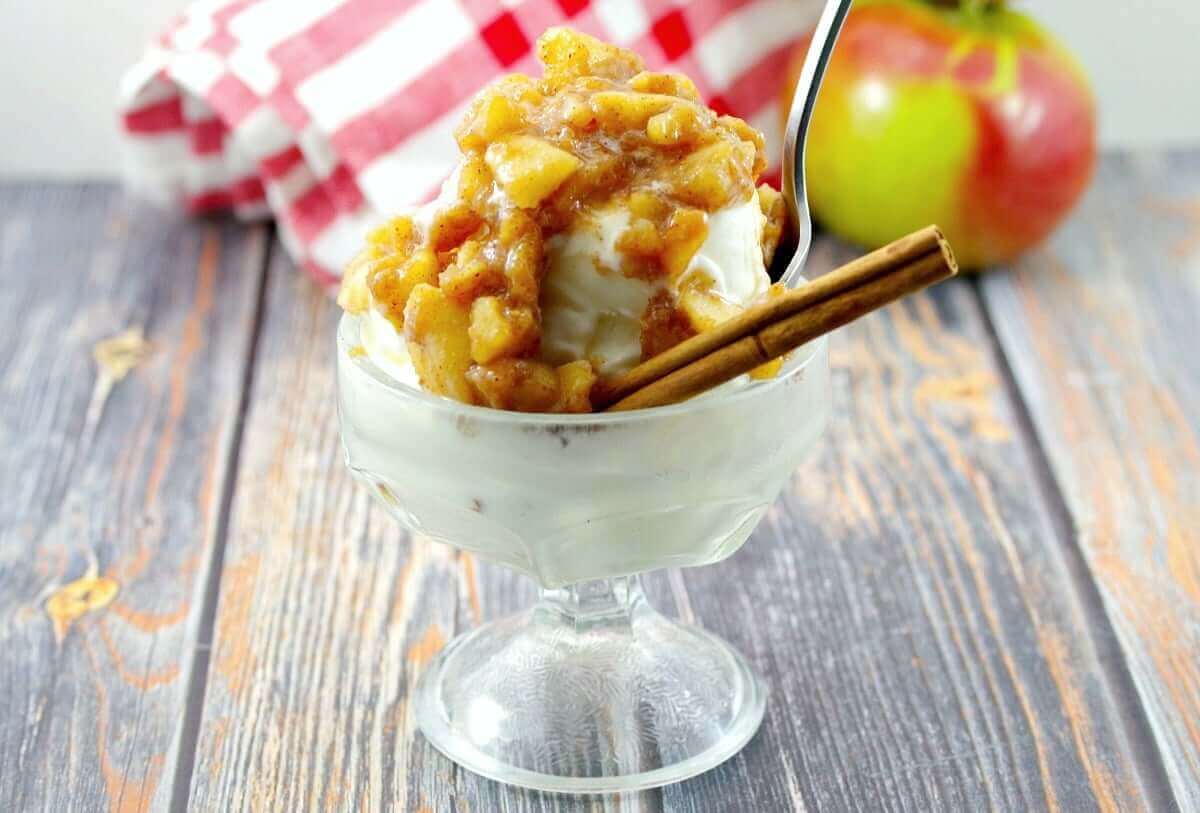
<point x="619" y="111"/>
<point x="497" y="330"/>
<point x="521" y="384"/>
<point x="704" y="309"/>
<point x="436" y="331"/>
<point x="772" y="206"/>
<point x="575" y="381"/>
<point x="569" y="55"/>
<point x="529" y="168"/>
<point x="392" y="286"/>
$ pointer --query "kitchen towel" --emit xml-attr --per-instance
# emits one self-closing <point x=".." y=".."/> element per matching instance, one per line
<point x="329" y="115"/>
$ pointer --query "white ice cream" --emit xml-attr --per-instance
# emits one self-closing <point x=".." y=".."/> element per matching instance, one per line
<point x="590" y="310"/>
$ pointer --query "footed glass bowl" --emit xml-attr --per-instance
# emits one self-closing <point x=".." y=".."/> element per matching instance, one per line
<point x="591" y="690"/>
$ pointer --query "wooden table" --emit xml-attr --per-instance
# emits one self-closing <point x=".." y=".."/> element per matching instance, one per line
<point x="983" y="593"/>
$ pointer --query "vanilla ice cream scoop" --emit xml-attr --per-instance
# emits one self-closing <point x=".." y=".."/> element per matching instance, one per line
<point x="591" y="310"/>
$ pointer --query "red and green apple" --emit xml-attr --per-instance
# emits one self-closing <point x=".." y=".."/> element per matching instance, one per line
<point x="963" y="113"/>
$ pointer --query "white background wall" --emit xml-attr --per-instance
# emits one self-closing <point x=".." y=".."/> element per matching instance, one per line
<point x="60" y="61"/>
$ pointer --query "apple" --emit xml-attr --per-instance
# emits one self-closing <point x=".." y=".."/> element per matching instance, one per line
<point x="964" y="114"/>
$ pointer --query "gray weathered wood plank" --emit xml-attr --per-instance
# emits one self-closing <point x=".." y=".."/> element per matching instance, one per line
<point x="326" y="612"/>
<point x="1102" y="328"/>
<point x="926" y="641"/>
<point x="109" y="490"/>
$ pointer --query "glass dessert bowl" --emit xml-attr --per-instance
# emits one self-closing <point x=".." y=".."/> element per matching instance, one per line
<point x="599" y="217"/>
<point x="591" y="690"/>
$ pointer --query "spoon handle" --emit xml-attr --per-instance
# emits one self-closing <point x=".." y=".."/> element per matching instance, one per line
<point x="795" y="193"/>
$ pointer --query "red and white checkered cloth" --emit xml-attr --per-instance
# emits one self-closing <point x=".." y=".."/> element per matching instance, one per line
<point x="331" y="114"/>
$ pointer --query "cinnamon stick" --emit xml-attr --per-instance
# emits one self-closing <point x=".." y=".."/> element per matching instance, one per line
<point x="782" y="324"/>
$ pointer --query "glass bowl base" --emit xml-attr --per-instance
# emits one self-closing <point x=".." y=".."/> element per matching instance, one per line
<point x="591" y="691"/>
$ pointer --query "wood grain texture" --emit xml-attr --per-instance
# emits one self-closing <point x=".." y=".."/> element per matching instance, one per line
<point x="907" y="599"/>
<point x="1102" y="328"/>
<point x="326" y="612"/>
<point x="108" y="497"/>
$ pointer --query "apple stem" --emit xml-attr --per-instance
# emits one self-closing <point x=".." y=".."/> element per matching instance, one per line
<point x="971" y="6"/>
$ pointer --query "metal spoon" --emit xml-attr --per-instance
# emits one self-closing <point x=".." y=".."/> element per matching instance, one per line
<point x="795" y="193"/>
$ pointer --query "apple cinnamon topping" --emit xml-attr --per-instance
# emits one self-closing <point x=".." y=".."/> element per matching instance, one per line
<point x="596" y="131"/>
